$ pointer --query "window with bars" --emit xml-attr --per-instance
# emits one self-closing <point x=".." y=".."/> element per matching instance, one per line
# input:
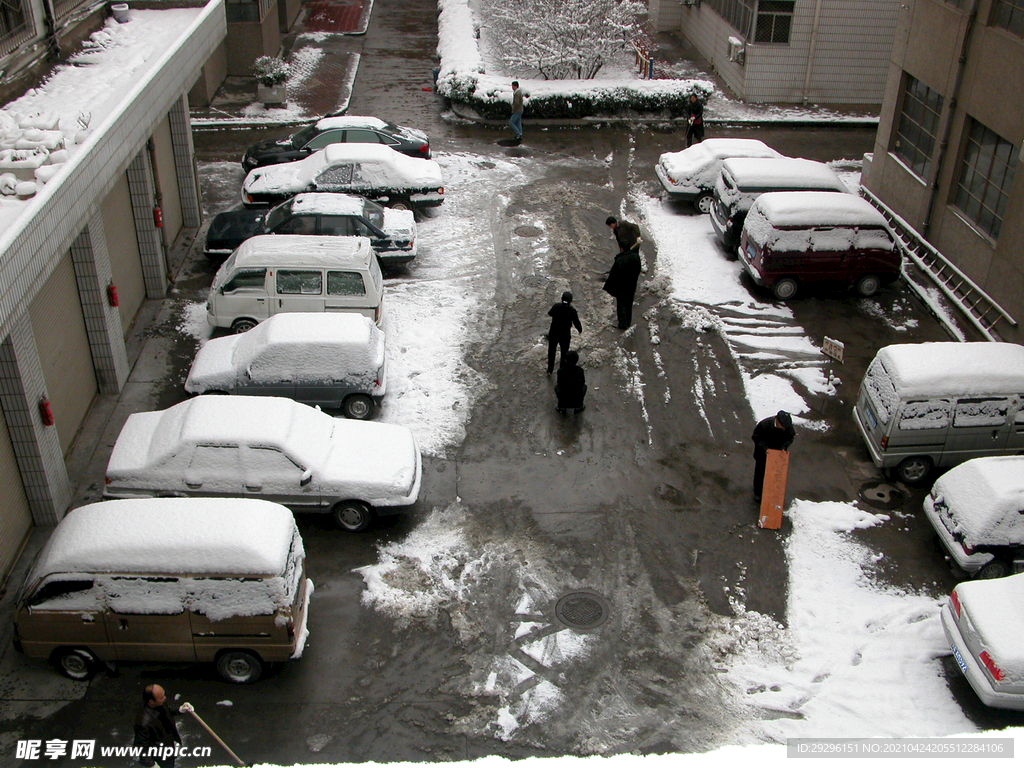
<point x="774" y="20"/>
<point x="918" y="126"/>
<point x="986" y="176"/>
<point x="737" y="12"/>
<point x="1009" y="14"/>
<point x="12" y="18"/>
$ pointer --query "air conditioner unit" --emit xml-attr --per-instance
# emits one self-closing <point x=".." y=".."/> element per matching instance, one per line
<point x="737" y="50"/>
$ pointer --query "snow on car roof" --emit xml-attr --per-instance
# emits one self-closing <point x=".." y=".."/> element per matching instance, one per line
<point x="689" y="160"/>
<point x="986" y="498"/>
<point x="994" y="607"/>
<point x="304" y="251"/>
<point x="417" y="170"/>
<point x="950" y="368"/>
<point x="316" y="327"/>
<point x="332" y="203"/>
<point x="184" y="536"/>
<point x="350" y="121"/>
<point x="269" y="421"/>
<point x="780" y="172"/>
<point x="818" y="209"/>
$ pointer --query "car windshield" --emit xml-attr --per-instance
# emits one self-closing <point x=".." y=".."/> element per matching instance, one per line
<point x="276" y="215"/>
<point x="374" y="214"/>
<point x="302" y="137"/>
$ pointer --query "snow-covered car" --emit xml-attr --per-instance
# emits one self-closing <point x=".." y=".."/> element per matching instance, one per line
<point x="689" y="175"/>
<point x="267" y="448"/>
<point x="371" y="170"/>
<point x="984" y="625"/>
<point x="333" y="361"/>
<point x="977" y="509"/>
<point x="348" y="129"/>
<point x="392" y="233"/>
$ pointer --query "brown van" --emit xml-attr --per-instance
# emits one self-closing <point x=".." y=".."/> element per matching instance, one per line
<point x="201" y="580"/>
<point x="795" y="239"/>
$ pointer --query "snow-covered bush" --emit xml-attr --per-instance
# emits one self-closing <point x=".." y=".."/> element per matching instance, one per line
<point x="271" y="70"/>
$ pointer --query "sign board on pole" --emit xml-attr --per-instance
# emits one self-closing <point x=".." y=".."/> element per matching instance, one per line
<point x="834" y="349"/>
<point x="773" y="492"/>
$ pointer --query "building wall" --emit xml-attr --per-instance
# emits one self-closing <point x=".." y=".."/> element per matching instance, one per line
<point x="167" y="181"/>
<point x="123" y="246"/>
<point x="248" y="40"/>
<point x="664" y="15"/>
<point x="210" y="78"/>
<point x="709" y="33"/>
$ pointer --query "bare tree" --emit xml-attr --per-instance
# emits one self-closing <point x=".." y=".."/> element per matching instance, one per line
<point x="560" y="39"/>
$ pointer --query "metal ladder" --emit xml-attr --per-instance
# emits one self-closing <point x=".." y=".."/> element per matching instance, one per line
<point x="978" y="307"/>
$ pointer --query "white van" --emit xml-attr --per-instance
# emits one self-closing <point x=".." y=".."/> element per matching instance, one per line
<point x="219" y="581"/>
<point x="271" y="274"/>
<point x="938" y="404"/>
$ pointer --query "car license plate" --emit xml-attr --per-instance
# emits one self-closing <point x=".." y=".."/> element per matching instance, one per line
<point x="959" y="659"/>
<point x="871" y="417"/>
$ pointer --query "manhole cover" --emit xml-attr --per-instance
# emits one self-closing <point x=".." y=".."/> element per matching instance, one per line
<point x="881" y="495"/>
<point x="582" y="610"/>
<point x="535" y="281"/>
<point x="528" y="231"/>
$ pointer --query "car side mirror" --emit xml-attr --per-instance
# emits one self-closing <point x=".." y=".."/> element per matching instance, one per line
<point x="307" y="477"/>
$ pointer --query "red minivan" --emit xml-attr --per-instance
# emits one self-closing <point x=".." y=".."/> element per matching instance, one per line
<point x="796" y="239"/>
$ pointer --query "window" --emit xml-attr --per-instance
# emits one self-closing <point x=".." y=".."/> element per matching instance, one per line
<point x="300" y="282"/>
<point x="266" y="465"/>
<point x="918" y="126"/>
<point x="1009" y="14"/>
<point x="238" y="10"/>
<point x="774" y="19"/>
<point x="986" y="176"/>
<point x="213" y="468"/>
<point x="325" y="138"/>
<point x="297" y="225"/>
<point x="362" y="136"/>
<point x="246" y="280"/>
<point x="335" y="177"/>
<point x="982" y="412"/>
<point x="345" y="284"/>
<point x="736" y="12"/>
<point x="337" y="225"/>
<point x="12" y="17"/>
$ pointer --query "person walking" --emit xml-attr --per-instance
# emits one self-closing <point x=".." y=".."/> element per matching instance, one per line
<point x="626" y="233"/>
<point x="571" y="385"/>
<point x="516" y="120"/>
<point x="775" y="432"/>
<point x="621" y="284"/>
<point x="563" y="318"/>
<point x="694" y="120"/>
<point x="155" y="730"/>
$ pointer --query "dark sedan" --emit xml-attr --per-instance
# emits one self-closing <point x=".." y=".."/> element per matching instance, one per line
<point x="392" y="233"/>
<point x="334" y="130"/>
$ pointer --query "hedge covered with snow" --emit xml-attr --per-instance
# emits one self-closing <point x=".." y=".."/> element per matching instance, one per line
<point x="463" y="80"/>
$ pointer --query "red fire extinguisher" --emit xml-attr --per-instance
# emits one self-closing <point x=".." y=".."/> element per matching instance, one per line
<point x="112" y="298"/>
<point x="158" y="217"/>
<point x="45" y="411"/>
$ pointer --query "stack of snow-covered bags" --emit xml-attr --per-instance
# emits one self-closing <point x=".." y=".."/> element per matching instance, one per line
<point x="32" y="148"/>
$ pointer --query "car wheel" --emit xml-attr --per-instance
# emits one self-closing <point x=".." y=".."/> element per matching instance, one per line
<point x="704" y="203"/>
<point x="239" y="666"/>
<point x="352" y="516"/>
<point x="78" y="665"/>
<point x="995" y="569"/>
<point x="784" y="289"/>
<point x="913" y="470"/>
<point x="358" y="407"/>
<point x="401" y="204"/>
<point x="868" y="285"/>
<point x="242" y="325"/>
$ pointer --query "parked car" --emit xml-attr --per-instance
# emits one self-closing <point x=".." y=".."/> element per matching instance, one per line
<point x="984" y="625"/>
<point x="350" y="129"/>
<point x="268" y="448"/>
<point x="689" y="176"/>
<point x="795" y="239"/>
<point x="392" y="233"/>
<point x="371" y="170"/>
<point x="977" y="510"/>
<point x="327" y="360"/>
<point x="156" y="580"/>
<point x="940" y="403"/>
<point x="743" y="179"/>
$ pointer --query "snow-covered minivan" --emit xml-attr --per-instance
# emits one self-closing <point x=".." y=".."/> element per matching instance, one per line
<point x="218" y="581"/>
<point x="938" y="404"/>
<point x="689" y="175"/>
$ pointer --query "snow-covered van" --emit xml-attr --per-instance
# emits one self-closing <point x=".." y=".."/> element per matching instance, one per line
<point x="795" y="239"/>
<point x="218" y="581"/>
<point x="977" y="509"/>
<point x="332" y="361"/>
<point x="938" y="404"/>
<point x="743" y="179"/>
<point x="689" y="175"/>
<point x="273" y="274"/>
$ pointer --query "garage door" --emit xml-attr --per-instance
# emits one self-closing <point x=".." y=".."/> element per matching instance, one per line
<point x="168" y="178"/>
<point x="123" y="245"/>
<point x="59" y="328"/>
<point x="15" y="517"/>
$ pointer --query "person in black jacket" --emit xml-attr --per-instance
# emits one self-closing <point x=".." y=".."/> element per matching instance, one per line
<point x="694" y="120"/>
<point x="621" y="284"/>
<point x="775" y="432"/>
<point x="627" y="234"/>
<point x="154" y="728"/>
<point x="571" y="384"/>
<point x="563" y="318"/>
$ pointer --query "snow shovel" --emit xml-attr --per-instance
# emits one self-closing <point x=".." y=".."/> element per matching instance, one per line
<point x="186" y="707"/>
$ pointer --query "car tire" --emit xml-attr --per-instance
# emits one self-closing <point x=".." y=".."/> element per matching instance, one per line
<point x="994" y="569"/>
<point x="358" y="407"/>
<point x="868" y="285"/>
<point x="785" y="289"/>
<point x="74" y="663"/>
<point x="239" y="667"/>
<point x="914" y="470"/>
<point x="704" y="203"/>
<point x="353" y="516"/>
<point x="400" y="204"/>
<point x="242" y="325"/>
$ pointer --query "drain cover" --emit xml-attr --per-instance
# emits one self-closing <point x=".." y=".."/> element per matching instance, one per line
<point x="582" y="610"/>
<point x="527" y="231"/>
<point x="881" y="495"/>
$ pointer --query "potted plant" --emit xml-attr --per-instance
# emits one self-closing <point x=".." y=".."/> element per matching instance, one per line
<point x="271" y="75"/>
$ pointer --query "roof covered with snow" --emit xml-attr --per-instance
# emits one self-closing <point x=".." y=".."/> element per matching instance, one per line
<point x="951" y="368"/>
<point x="304" y="251"/>
<point x="800" y="209"/>
<point x="781" y="172"/>
<point x="996" y="611"/>
<point x="985" y="499"/>
<point x="332" y="203"/>
<point x="350" y="121"/>
<point x="171" y="536"/>
<point x="690" y="160"/>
